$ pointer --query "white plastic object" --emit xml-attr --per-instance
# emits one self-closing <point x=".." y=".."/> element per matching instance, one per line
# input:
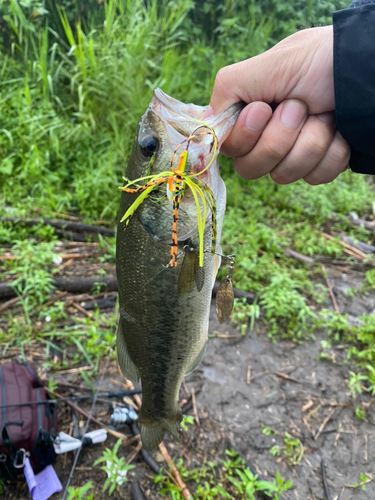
<point x="64" y="443"/>
<point x="97" y="436"/>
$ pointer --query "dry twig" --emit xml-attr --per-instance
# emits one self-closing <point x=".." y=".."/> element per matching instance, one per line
<point x="349" y="249"/>
<point x="286" y="377"/>
<point x="248" y="375"/>
<point x="308" y="426"/>
<point x="9" y="303"/>
<point x="259" y="375"/>
<point x="74" y="370"/>
<point x="326" y="420"/>
<point x="195" y="411"/>
<point x="134" y="453"/>
<point x="339" y="430"/>
<point x="307" y="406"/>
<point x="181" y="484"/>
<point x="129" y="385"/>
<point x="330" y="289"/>
<point x="313" y="411"/>
<point x="292" y="253"/>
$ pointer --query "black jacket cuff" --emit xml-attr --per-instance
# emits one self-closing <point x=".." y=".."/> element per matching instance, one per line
<point x="354" y="78"/>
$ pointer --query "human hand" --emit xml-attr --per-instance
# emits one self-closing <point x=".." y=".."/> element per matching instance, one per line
<point x="299" y="139"/>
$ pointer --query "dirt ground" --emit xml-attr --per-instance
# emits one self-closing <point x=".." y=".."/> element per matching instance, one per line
<point x="245" y="383"/>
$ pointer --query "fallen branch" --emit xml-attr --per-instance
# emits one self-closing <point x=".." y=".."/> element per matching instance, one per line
<point x="9" y="303"/>
<point x="103" y="303"/>
<point x="78" y="227"/>
<point x="286" y="377"/>
<point x="258" y="375"/>
<point x="349" y="249"/>
<point x="304" y="258"/>
<point x="71" y="285"/>
<point x="364" y="247"/>
<point x="73" y="370"/>
<point x="187" y="404"/>
<point x="195" y="411"/>
<point x="129" y="385"/>
<point x="248" y="375"/>
<point x="64" y="256"/>
<point x="70" y="236"/>
<point x="330" y="286"/>
<point x="327" y="419"/>
<point x="370" y="225"/>
<point x="134" y="453"/>
<point x="181" y="484"/>
<point x="75" y="285"/>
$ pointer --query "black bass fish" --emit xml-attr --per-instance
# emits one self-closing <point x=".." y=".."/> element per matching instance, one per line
<point x="171" y="215"/>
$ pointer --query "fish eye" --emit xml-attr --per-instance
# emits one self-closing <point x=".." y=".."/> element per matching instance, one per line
<point x="149" y="145"/>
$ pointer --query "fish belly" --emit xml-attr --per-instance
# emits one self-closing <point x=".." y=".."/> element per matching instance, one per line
<point x="162" y="330"/>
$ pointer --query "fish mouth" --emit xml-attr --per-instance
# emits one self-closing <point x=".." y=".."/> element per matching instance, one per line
<point x="169" y="106"/>
<point x="185" y="118"/>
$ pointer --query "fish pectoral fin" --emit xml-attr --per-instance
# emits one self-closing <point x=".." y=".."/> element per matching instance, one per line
<point x="152" y="433"/>
<point x="190" y="273"/>
<point x="197" y="360"/>
<point x="127" y="365"/>
<point x="187" y="277"/>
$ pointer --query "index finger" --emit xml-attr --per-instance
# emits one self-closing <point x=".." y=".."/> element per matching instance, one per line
<point x="243" y="81"/>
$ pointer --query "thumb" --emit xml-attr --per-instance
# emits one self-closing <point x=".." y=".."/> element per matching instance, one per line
<point x="248" y="81"/>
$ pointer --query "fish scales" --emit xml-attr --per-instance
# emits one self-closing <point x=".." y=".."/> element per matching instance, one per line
<point x="163" y="324"/>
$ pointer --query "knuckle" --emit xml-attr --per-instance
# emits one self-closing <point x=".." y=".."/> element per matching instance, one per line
<point x="221" y="78"/>
<point x="281" y="176"/>
<point x="274" y="150"/>
<point x="340" y="150"/>
<point x="313" y="180"/>
<point x="316" y="145"/>
<point x="246" y="169"/>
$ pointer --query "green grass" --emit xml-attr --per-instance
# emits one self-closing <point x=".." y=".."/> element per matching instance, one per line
<point x="231" y="478"/>
<point x="72" y="94"/>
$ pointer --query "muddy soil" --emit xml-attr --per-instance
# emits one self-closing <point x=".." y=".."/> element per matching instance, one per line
<point x="243" y="385"/>
<point x="346" y="444"/>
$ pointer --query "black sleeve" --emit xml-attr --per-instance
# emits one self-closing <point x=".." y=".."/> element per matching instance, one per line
<point x="354" y="79"/>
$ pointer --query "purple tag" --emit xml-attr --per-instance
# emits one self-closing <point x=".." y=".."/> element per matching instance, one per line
<point x="42" y="485"/>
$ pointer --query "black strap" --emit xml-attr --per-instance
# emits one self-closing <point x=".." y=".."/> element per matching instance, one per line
<point x="35" y="376"/>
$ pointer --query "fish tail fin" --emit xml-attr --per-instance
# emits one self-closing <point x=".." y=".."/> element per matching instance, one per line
<point x="152" y="432"/>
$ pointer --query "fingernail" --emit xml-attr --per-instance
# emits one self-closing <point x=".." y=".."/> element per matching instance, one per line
<point x="293" y="114"/>
<point x="326" y="117"/>
<point x="256" y="119"/>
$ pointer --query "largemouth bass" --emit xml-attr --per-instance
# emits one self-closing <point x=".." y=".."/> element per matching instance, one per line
<point x="164" y="304"/>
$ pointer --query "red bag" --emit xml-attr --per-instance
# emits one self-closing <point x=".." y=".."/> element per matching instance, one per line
<point x="26" y="430"/>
